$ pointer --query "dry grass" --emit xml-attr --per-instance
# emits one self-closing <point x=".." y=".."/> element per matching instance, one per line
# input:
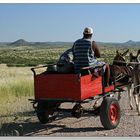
<point x="16" y="87"/>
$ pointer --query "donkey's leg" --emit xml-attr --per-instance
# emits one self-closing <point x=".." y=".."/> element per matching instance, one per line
<point x="130" y="95"/>
<point x="139" y="104"/>
<point x="136" y="97"/>
<point x="139" y="98"/>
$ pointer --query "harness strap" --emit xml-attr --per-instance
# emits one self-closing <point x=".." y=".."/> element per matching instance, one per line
<point x="138" y="63"/>
<point x="137" y="86"/>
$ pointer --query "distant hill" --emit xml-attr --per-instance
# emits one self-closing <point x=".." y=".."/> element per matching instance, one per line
<point x="132" y="43"/>
<point x="20" y="42"/>
<point x="52" y="44"/>
<point x="128" y="44"/>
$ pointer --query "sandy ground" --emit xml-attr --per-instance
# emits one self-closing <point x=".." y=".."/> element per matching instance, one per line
<point x="86" y="126"/>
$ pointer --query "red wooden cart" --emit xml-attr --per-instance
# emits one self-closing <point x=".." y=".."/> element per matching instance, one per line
<point x="52" y="89"/>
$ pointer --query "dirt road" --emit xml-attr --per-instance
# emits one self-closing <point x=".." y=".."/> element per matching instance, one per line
<point x="88" y="125"/>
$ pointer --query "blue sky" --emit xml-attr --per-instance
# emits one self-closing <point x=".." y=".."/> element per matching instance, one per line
<point x="65" y="22"/>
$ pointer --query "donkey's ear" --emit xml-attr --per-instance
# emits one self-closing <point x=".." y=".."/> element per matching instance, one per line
<point x="117" y="52"/>
<point x="125" y="52"/>
<point x="138" y="52"/>
<point x="131" y="54"/>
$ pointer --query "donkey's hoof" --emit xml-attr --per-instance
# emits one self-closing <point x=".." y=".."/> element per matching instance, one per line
<point x="131" y="107"/>
<point x="139" y="112"/>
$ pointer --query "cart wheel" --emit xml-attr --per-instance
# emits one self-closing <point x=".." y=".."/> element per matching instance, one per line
<point x="45" y="114"/>
<point x="110" y="113"/>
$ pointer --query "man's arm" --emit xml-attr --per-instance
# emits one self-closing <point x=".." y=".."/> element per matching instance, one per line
<point x="96" y="49"/>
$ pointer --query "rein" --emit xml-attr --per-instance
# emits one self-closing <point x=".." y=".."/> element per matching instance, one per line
<point x="138" y="63"/>
<point x="122" y="76"/>
<point x="137" y="86"/>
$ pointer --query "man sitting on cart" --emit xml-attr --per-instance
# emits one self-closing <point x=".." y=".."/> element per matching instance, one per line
<point x="85" y="52"/>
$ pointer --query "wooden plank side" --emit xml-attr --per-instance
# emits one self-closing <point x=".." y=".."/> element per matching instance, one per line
<point x="90" y="86"/>
<point x="57" y="86"/>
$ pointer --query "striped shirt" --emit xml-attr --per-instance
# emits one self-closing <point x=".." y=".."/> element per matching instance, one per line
<point x="83" y="54"/>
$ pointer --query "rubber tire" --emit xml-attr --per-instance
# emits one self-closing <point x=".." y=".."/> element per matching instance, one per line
<point x="43" y="114"/>
<point x="105" y="113"/>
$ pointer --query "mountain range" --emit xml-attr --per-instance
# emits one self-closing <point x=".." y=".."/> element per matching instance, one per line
<point x="22" y="42"/>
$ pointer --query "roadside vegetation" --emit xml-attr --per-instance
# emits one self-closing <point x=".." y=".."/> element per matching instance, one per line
<point x="16" y="86"/>
<point x="29" y="56"/>
<point x="32" y="56"/>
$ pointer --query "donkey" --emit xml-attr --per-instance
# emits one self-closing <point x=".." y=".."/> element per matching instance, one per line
<point x="122" y="71"/>
<point x="123" y="74"/>
<point x="134" y="62"/>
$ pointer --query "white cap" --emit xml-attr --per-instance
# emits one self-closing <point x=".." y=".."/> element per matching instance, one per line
<point x="88" y="30"/>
